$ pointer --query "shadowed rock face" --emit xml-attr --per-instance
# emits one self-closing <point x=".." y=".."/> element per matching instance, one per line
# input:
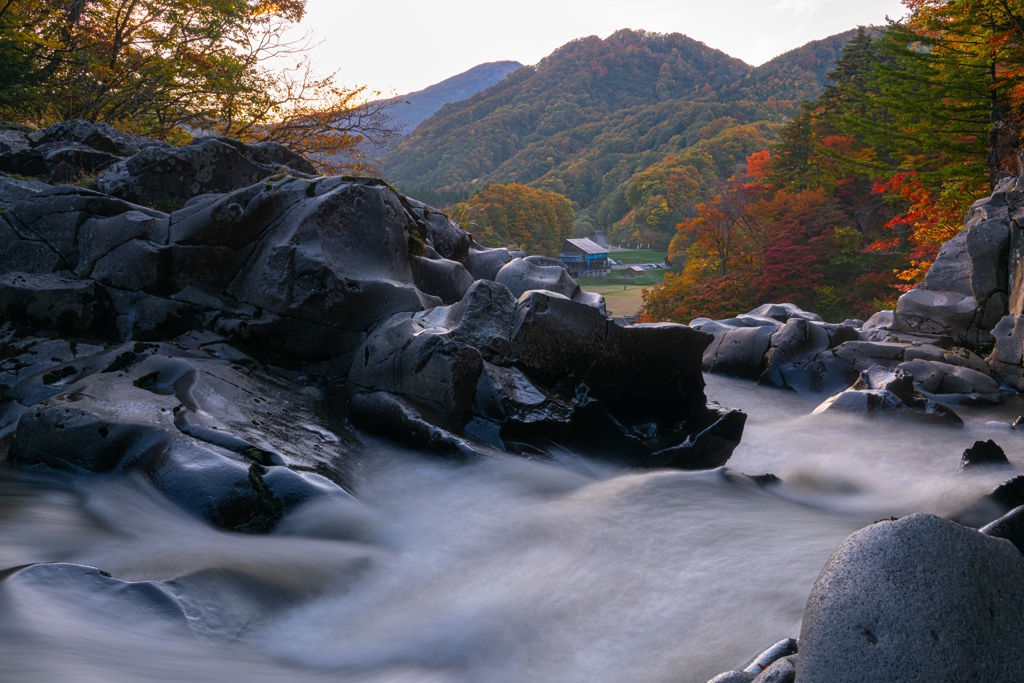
<point x="366" y="302"/>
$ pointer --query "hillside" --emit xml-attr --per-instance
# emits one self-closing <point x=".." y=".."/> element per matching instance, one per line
<point x="595" y="115"/>
<point x="422" y="104"/>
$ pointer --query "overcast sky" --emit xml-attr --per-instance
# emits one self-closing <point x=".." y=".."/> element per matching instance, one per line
<point x="405" y="45"/>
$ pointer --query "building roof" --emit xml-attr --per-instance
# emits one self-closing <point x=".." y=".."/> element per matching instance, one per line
<point x="635" y="269"/>
<point x="586" y="246"/>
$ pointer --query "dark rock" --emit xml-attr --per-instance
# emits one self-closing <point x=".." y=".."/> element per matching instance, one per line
<point x="783" y="648"/>
<point x="1010" y="526"/>
<point x="650" y="367"/>
<point x="157" y="176"/>
<point x="447" y="280"/>
<point x="784" y="312"/>
<point x="983" y="453"/>
<point x="522" y="275"/>
<point x="781" y="671"/>
<point x="933" y="312"/>
<point x="162" y="411"/>
<point x="733" y="677"/>
<point x="386" y="413"/>
<point x="951" y="271"/>
<point x="896" y="599"/>
<point x="68" y="161"/>
<point x="952" y="384"/>
<point x="99" y="136"/>
<point x="1008" y="352"/>
<point x="51" y="302"/>
<point x="484" y="264"/>
<point x="880" y="392"/>
<point x="708" y="446"/>
<point x="1001" y="500"/>
<point x="742" y="352"/>
<point x="447" y="238"/>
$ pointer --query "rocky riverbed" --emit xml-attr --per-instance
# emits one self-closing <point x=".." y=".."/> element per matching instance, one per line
<point x="262" y="421"/>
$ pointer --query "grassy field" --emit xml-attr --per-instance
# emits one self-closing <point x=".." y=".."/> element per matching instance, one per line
<point x="645" y="280"/>
<point x="620" y="300"/>
<point x="622" y="294"/>
<point x="631" y="256"/>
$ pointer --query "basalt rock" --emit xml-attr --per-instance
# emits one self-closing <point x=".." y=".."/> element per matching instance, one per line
<point x="881" y="392"/>
<point x="227" y="442"/>
<point x="337" y="277"/>
<point x="172" y="175"/>
<point x="516" y="375"/>
<point x="898" y="598"/>
<point x="66" y="151"/>
<point x="983" y="454"/>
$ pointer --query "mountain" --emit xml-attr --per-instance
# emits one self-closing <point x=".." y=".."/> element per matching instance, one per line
<point x="797" y="75"/>
<point x="423" y="103"/>
<point x="633" y="128"/>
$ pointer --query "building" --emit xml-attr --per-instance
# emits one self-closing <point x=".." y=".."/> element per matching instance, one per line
<point x="635" y="271"/>
<point x="584" y="258"/>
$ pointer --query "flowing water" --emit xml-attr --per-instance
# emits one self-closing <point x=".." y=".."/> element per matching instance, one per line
<point x="502" y="571"/>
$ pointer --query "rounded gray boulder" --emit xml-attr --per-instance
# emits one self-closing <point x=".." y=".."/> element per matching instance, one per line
<point x="918" y="599"/>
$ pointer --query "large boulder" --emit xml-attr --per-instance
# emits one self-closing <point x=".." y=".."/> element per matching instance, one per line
<point x="536" y="272"/>
<point x="159" y="175"/>
<point x="971" y="284"/>
<point x="952" y="384"/>
<point x="914" y="600"/>
<point x="1007" y="357"/>
<point x="50" y="302"/>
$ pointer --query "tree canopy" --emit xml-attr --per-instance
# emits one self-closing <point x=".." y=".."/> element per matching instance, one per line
<point x="162" y="67"/>
<point x="518" y="217"/>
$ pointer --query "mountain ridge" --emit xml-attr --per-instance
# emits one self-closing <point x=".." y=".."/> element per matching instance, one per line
<point x="593" y="118"/>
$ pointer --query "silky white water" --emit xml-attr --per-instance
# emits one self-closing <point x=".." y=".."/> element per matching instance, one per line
<point x="505" y="570"/>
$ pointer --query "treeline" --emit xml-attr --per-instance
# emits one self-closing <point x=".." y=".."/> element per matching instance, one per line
<point x="852" y="202"/>
<point x="171" y="68"/>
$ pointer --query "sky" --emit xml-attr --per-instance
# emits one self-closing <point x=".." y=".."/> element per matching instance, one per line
<point x="402" y="46"/>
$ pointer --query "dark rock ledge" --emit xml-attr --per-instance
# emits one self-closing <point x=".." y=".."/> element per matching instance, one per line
<point x="223" y="321"/>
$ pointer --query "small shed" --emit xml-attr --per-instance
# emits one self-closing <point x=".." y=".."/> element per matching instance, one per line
<point x="585" y="258"/>
<point x="634" y="271"/>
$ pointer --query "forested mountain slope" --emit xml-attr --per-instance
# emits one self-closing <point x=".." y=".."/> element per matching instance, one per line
<point x="595" y="115"/>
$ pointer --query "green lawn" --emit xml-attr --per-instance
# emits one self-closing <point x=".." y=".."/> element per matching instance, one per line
<point x="620" y="300"/>
<point x="631" y="256"/>
<point x="645" y="280"/>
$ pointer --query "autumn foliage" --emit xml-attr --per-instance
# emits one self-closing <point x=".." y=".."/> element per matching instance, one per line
<point x="852" y="202"/>
<point x="167" y="68"/>
<point x="518" y="217"/>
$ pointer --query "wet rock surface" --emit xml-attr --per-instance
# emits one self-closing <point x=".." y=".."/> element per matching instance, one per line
<point x="203" y="423"/>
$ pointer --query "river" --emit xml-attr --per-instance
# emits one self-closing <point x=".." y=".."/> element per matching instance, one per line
<point x="502" y="571"/>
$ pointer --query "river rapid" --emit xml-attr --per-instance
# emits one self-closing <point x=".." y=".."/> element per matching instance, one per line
<point x="502" y="571"/>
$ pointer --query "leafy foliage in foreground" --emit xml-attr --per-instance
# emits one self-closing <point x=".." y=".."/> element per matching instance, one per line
<point x="164" y="67"/>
